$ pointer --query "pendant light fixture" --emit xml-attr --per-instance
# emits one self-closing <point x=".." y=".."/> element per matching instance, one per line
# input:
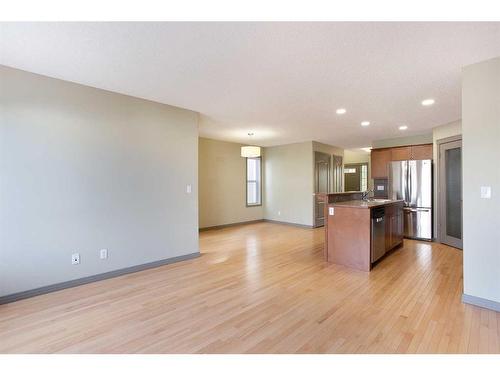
<point x="250" y="151"/>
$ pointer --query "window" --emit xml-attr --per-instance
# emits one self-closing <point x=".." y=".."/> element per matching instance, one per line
<point x="364" y="177"/>
<point x="254" y="182"/>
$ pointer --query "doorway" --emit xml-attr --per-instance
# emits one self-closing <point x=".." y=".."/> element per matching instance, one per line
<point x="450" y="191"/>
<point x="321" y="186"/>
<point x="356" y="177"/>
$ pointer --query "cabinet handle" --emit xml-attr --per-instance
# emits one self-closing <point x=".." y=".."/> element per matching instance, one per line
<point x="416" y="209"/>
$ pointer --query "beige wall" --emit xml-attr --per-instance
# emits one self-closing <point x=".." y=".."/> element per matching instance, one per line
<point x="439" y="133"/>
<point x="83" y="169"/>
<point x="356" y="156"/>
<point x="327" y="149"/>
<point x="222" y="189"/>
<point x="481" y="156"/>
<point x="403" y="141"/>
<point x="288" y="183"/>
<point x="288" y="187"/>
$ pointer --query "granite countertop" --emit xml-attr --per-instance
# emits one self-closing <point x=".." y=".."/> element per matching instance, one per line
<point x="344" y="193"/>
<point x="365" y="204"/>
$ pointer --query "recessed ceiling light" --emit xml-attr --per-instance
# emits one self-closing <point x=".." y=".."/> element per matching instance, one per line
<point x="403" y="127"/>
<point x="341" y="111"/>
<point x="365" y="123"/>
<point x="428" y="102"/>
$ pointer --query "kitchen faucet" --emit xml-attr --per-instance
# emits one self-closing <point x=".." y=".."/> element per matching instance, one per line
<point x="364" y="194"/>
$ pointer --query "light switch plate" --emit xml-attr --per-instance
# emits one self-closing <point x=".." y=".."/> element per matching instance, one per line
<point x="103" y="254"/>
<point x="486" y="192"/>
<point x="331" y="211"/>
<point x="188" y="189"/>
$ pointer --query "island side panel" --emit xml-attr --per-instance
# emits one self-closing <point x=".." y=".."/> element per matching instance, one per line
<point x="333" y="198"/>
<point x="348" y="237"/>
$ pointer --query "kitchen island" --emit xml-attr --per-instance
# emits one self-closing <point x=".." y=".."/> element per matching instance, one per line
<point x="358" y="233"/>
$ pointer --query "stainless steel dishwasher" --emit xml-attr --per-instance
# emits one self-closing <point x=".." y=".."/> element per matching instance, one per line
<point x="378" y="233"/>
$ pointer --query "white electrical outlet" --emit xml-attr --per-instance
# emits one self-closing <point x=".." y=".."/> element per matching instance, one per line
<point x="486" y="192"/>
<point x="75" y="258"/>
<point x="188" y="189"/>
<point x="331" y="211"/>
<point x="103" y="254"/>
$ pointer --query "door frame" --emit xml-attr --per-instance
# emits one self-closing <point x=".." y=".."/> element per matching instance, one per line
<point x="439" y="182"/>
<point x="318" y="196"/>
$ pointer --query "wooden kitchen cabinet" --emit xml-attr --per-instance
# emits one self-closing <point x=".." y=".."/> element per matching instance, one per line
<point x="400" y="153"/>
<point x="379" y="163"/>
<point x="394" y="225"/>
<point x="421" y="152"/>
<point x="352" y="236"/>
<point x="380" y="158"/>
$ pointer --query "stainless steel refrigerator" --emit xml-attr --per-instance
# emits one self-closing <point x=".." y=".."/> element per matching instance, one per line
<point x="411" y="180"/>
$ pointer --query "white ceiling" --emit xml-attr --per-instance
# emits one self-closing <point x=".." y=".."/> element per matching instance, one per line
<point x="281" y="81"/>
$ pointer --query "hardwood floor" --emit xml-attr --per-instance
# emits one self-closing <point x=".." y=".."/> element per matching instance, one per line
<point x="262" y="288"/>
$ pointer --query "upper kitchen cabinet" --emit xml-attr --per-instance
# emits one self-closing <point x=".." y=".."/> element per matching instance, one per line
<point x="416" y="152"/>
<point x="400" y="153"/>
<point x="381" y="157"/>
<point x="421" y="152"/>
<point x="379" y="162"/>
